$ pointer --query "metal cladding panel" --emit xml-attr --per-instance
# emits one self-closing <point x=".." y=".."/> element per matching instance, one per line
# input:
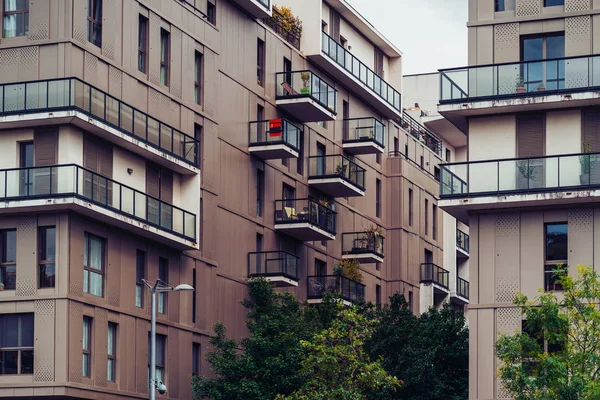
<point x="44" y="346"/>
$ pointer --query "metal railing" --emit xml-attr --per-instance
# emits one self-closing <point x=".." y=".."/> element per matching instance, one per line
<point x="526" y="78"/>
<point x="421" y="133"/>
<point x="462" y="287"/>
<point x="434" y="273"/>
<point x="72" y="180"/>
<point x="289" y="34"/>
<point x="336" y="166"/>
<point x="363" y="130"/>
<point x="362" y="243"/>
<point x="360" y="71"/>
<point x="346" y="288"/>
<point x="293" y="211"/>
<point x="297" y="84"/>
<point x="273" y="263"/>
<point x="274" y="131"/>
<point x="74" y="94"/>
<point x="462" y="240"/>
<point x="520" y="175"/>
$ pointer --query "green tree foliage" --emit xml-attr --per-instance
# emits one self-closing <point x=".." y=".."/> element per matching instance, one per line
<point x="557" y="356"/>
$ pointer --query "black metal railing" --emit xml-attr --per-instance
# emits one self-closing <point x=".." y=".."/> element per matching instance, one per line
<point x="362" y="243"/>
<point x="273" y="263"/>
<point x="336" y="166"/>
<point x="462" y="240"/>
<point x="434" y="273"/>
<point x="274" y="131"/>
<point x="421" y="133"/>
<point x="520" y="175"/>
<point x="346" y="288"/>
<point x="292" y="211"/>
<point x="297" y="84"/>
<point x="526" y="78"/>
<point x="74" y="94"/>
<point x="364" y="130"/>
<point x="360" y="71"/>
<point x="462" y="287"/>
<point x="290" y="34"/>
<point x="72" y="180"/>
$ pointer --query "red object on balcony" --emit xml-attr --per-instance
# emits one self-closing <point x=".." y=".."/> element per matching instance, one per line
<point x="275" y="127"/>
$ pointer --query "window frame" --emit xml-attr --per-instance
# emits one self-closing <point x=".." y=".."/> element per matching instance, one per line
<point x="159" y="366"/>
<point x="87" y="269"/>
<point x="426" y="217"/>
<point x="93" y="23"/>
<point x="260" y="62"/>
<point x="378" y="197"/>
<point x="143" y="47"/>
<point x="23" y="12"/>
<point x="198" y="70"/>
<point x="162" y="307"/>
<point x="434" y="212"/>
<point x="139" y="285"/>
<point x="43" y="261"/>
<point x="260" y="192"/>
<point x="410" y="206"/>
<point x="196" y="358"/>
<point x="211" y="12"/>
<point x="550" y="265"/>
<point x="20" y="348"/>
<point x="86" y="344"/>
<point x="4" y="262"/>
<point x="165" y="39"/>
<point x="111" y="363"/>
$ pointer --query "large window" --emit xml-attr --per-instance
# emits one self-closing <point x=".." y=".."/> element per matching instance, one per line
<point x="260" y="62"/>
<point x="556" y="255"/>
<point x="140" y="272"/>
<point x="550" y="74"/>
<point x="111" y="371"/>
<point x="195" y="358"/>
<point x="16" y="18"/>
<point x="198" y="77"/>
<point x="8" y="259"/>
<point x="93" y="265"/>
<point x="163" y="275"/>
<point x="87" y="347"/>
<point x="164" y="57"/>
<point x="142" y="43"/>
<point x="94" y="22"/>
<point x="161" y="341"/>
<point x="16" y="344"/>
<point x="47" y="243"/>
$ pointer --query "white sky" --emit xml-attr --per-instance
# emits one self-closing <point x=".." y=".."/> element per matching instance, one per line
<point x="431" y="34"/>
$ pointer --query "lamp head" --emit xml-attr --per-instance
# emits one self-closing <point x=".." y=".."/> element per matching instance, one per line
<point x="183" y="286"/>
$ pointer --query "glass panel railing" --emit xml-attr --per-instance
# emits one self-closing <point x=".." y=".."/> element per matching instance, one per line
<point x="462" y="240"/>
<point x="336" y="166"/>
<point x="346" y="288"/>
<point x="273" y="263"/>
<point x="462" y="287"/>
<point x="434" y="273"/>
<point x="364" y="129"/>
<point x="360" y="71"/>
<point x="290" y="211"/>
<point x="274" y="131"/>
<point x="72" y="93"/>
<point x="297" y="84"/>
<point x="362" y="243"/>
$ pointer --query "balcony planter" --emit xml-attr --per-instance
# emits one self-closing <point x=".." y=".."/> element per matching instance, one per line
<point x="520" y="85"/>
<point x="349" y="269"/>
<point x="305" y="76"/>
<point x="541" y="87"/>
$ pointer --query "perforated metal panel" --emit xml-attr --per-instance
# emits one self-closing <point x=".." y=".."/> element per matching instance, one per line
<point x="28" y="62"/>
<point x="154" y="104"/>
<point x="507" y="224"/>
<point x="80" y="21"/>
<point x="115" y="83"/>
<point x="26" y="268"/>
<point x="508" y="322"/>
<point x="154" y="61"/>
<point x="44" y="327"/>
<point x="209" y="204"/>
<point x="577" y="42"/>
<point x="176" y="37"/>
<point x="577" y="5"/>
<point x="90" y="68"/>
<point x="8" y="66"/>
<point x="114" y="291"/>
<point x="501" y="392"/>
<point x="210" y="152"/>
<point x="211" y="95"/>
<point x="507" y="261"/>
<point x="506" y="46"/>
<point x="506" y="289"/>
<point x="581" y="220"/>
<point x="110" y="27"/>
<point x="528" y="7"/>
<point x="39" y="27"/>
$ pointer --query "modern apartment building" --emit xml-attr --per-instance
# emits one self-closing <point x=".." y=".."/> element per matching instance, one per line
<point x="527" y="188"/>
<point x="198" y="142"/>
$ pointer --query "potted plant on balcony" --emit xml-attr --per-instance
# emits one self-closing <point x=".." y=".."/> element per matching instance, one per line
<point x="520" y="85"/>
<point x="348" y="269"/>
<point x="372" y="236"/>
<point x="305" y="76"/>
<point x="340" y="169"/>
<point x="587" y="163"/>
<point x="527" y="174"/>
<point x="541" y="87"/>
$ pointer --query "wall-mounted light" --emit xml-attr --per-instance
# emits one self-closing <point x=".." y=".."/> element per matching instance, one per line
<point x="130" y="171"/>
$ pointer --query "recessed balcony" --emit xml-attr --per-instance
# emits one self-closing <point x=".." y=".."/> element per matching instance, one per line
<point x="363" y="136"/>
<point x="350" y="291"/>
<point x="279" y="267"/>
<point x="73" y="187"/>
<point x="435" y="275"/>
<point x="462" y="244"/>
<point x="336" y="175"/>
<point x="366" y="247"/>
<point x="274" y="139"/>
<point x="461" y="296"/>
<point x="256" y="8"/>
<point x="305" y="219"/>
<point x="306" y="96"/>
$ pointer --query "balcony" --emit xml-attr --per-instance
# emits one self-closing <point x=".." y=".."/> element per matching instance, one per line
<point x="360" y="79"/>
<point x="366" y="247"/>
<point x="256" y="8"/>
<point x="274" y="139"/>
<point x="421" y="133"/>
<point x="290" y="34"/>
<point x="70" y="100"/>
<point x="350" y="291"/>
<point x="461" y="296"/>
<point x="279" y="267"/>
<point x="436" y="275"/>
<point x="462" y="244"/>
<point x="363" y="136"/>
<point x="305" y="219"/>
<point x="73" y="187"/>
<point x="336" y="175"/>
<point x="306" y="96"/>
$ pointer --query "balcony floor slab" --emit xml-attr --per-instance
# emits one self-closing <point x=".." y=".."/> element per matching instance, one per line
<point x="362" y="147"/>
<point x="304" y="231"/>
<point x="305" y="109"/>
<point x="336" y="187"/>
<point x="273" y="151"/>
<point x="364" y="258"/>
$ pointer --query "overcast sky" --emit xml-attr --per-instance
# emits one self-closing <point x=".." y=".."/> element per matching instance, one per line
<point x="432" y="34"/>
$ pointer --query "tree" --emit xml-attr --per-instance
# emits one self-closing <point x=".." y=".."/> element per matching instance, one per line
<point x="336" y="366"/>
<point x="557" y="355"/>
<point x="430" y="353"/>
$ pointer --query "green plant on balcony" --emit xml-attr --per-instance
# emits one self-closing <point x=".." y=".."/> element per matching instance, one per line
<point x="283" y="17"/>
<point x="372" y="236"/>
<point x="305" y="76"/>
<point x="526" y="169"/>
<point x="349" y="269"/>
<point x="340" y="169"/>
<point x="520" y="84"/>
<point x="587" y="163"/>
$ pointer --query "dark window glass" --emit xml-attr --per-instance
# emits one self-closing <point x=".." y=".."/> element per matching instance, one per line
<point x="93" y="265"/>
<point x="140" y="272"/>
<point x="260" y="192"/>
<point x="499" y="5"/>
<point x="16" y="344"/>
<point x="47" y="244"/>
<point x="87" y="347"/>
<point x="410" y="207"/>
<point x="198" y="77"/>
<point x="260" y="62"/>
<point x="196" y="359"/>
<point x="378" y="198"/>
<point x="211" y="12"/>
<point x="142" y="43"/>
<point x="16" y="18"/>
<point x="556" y="242"/>
<point x="8" y="259"/>
<point x="164" y="57"/>
<point x="163" y="275"/>
<point x="550" y="3"/>
<point x="161" y="341"/>
<point x="111" y="367"/>
<point x="194" y="296"/>
<point x="94" y="19"/>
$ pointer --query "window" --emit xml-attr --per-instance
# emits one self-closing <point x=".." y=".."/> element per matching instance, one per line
<point x="422" y="162"/>
<point x="93" y="264"/>
<point x="111" y="372"/>
<point x="434" y="222"/>
<point x="199" y="138"/>
<point x="426" y="217"/>
<point x="300" y="159"/>
<point x="142" y="43"/>
<point x="164" y="57"/>
<point x="324" y="26"/>
<point x="550" y="74"/>
<point x="320" y="160"/>
<point x="556" y="255"/>
<point x="161" y="341"/>
<point x="499" y="5"/>
<point x="8" y="259"/>
<point x="289" y="195"/>
<point x="447" y="155"/>
<point x="16" y="18"/>
<point x="163" y="272"/>
<point x="195" y="358"/>
<point x="378" y="296"/>
<point x="140" y="272"/>
<point x="194" y="296"/>
<point x="410" y="207"/>
<point x="211" y="12"/>
<point x="260" y="62"/>
<point x="94" y="25"/>
<point x="47" y="251"/>
<point x="26" y="175"/>
<point x="16" y="344"/>
<point x="378" y="198"/>
<point x="287" y="67"/>
<point x="260" y="191"/>
<point x="198" y="77"/>
<point x="410" y="300"/>
<point x="406" y="150"/>
<point x="550" y="3"/>
<point x="396" y="147"/>
<point x="259" y="242"/>
<point x="320" y="268"/>
<point x="87" y="346"/>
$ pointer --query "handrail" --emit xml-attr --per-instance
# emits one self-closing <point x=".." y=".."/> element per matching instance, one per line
<point x="362" y="243"/>
<point x="420" y="132"/>
<point x="336" y="165"/>
<point x="292" y="211"/>
<point x="312" y="86"/>
<point x="347" y="288"/>
<point x="431" y="272"/>
<point x="273" y="263"/>
<point x="363" y="129"/>
<point x="462" y="287"/>
<point x="274" y="131"/>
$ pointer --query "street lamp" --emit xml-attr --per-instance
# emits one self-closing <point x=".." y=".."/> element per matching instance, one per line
<point x="158" y="287"/>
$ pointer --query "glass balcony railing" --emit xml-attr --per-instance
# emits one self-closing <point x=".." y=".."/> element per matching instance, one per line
<point x="462" y="287"/>
<point x="362" y="243"/>
<point x="74" y="94"/>
<point x="298" y="84"/>
<point x="364" y="129"/>
<point x="72" y="180"/>
<point x="273" y="263"/>
<point x="336" y="166"/>
<point x="360" y="71"/>
<point x="274" y="131"/>
<point x="421" y="133"/>
<point x="431" y="273"/>
<point x="291" y="211"/>
<point x="520" y="175"/>
<point x="346" y="288"/>
<point x="462" y="240"/>
<point x="528" y="78"/>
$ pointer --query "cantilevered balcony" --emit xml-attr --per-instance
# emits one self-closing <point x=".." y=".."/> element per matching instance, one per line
<point x="461" y="296"/>
<point x="336" y="175"/>
<point x="305" y="219"/>
<point x="366" y="247"/>
<point x="462" y="244"/>
<point x="350" y="291"/>
<point x="73" y="187"/>
<point x="363" y="136"/>
<point x="421" y="133"/>
<point x="256" y="8"/>
<point x="274" y="139"/>
<point x="435" y="275"/>
<point x="279" y="267"/>
<point x="70" y="100"/>
<point x="306" y="96"/>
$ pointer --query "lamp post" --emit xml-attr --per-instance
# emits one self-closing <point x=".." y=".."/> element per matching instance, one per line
<point x="158" y="287"/>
